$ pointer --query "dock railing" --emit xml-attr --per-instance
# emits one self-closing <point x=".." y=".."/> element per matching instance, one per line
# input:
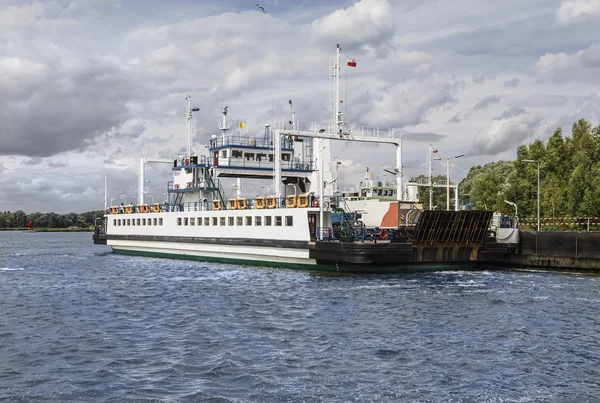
<point x="561" y="223"/>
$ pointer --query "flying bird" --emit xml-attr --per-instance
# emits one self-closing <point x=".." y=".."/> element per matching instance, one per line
<point x="260" y="7"/>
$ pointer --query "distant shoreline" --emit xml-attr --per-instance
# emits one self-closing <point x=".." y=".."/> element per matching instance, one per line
<point x="25" y="229"/>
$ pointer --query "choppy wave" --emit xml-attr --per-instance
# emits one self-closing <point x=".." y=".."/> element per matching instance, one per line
<point x="117" y="328"/>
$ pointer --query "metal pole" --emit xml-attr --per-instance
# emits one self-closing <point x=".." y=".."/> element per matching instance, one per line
<point x="447" y="183"/>
<point x="322" y="186"/>
<point x="538" y="201"/>
<point x="105" y="193"/>
<point x="456" y="197"/>
<point x="430" y="177"/>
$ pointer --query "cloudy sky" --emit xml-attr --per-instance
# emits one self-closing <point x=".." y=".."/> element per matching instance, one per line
<point x="87" y="86"/>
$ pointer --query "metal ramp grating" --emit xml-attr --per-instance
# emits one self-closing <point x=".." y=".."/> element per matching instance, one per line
<point x="452" y="227"/>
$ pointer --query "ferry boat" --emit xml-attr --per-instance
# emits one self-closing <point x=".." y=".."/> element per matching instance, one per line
<point x="304" y="223"/>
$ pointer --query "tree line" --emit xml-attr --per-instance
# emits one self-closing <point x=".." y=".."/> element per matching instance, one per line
<point x="19" y="219"/>
<point x="569" y="168"/>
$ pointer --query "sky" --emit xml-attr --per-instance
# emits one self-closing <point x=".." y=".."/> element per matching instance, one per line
<point x="89" y="86"/>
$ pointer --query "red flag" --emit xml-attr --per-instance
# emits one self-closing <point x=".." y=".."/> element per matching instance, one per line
<point x="351" y="62"/>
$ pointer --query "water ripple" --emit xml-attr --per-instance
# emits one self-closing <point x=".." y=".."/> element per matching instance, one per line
<point x="78" y="323"/>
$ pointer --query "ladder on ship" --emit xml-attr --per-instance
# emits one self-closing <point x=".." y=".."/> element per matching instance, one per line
<point x="176" y="206"/>
<point x="344" y="218"/>
<point x="218" y="188"/>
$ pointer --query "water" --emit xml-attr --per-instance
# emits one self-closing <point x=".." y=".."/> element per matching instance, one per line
<point x="78" y="323"/>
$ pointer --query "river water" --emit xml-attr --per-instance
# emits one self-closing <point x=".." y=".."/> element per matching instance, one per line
<point x="78" y="323"/>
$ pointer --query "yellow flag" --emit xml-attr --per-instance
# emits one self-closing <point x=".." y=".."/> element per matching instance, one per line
<point x="242" y="125"/>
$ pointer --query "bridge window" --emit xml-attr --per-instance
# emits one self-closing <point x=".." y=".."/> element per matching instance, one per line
<point x="206" y="221"/>
<point x="185" y="221"/>
<point x="257" y="221"/>
<point x="268" y="220"/>
<point x="230" y="221"/>
<point x="199" y="221"/>
<point x="224" y="154"/>
<point x="249" y="156"/>
<point x="285" y="157"/>
<point x="239" y="221"/>
<point x="155" y="221"/>
<point x="178" y="220"/>
<point x="128" y="222"/>
<point x="143" y="221"/>
<point x="160" y="221"/>
<point x="237" y="153"/>
<point x="222" y="222"/>
<point x="248" y="220"/>
<point x="278" y="221"/>
<point x="192" y="221"/>
<point x="149" y="221"/>
<point x="289" y="220"/>
<point x="115" y="222"/>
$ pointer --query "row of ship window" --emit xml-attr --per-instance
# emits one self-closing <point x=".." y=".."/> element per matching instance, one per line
<point x="137" y="221"/>
<point x="258" y="221"/>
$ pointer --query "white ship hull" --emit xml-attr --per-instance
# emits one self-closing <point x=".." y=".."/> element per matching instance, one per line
<point x="215" y="253"/>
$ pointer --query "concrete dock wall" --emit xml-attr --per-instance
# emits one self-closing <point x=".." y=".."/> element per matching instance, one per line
<point x="559" y="250"/>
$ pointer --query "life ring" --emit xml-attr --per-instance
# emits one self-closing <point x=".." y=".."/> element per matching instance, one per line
<point x="290" y="201"/>
<point x="303" y="201"/>
<point x="156" y="208"/>
<point x="315" y="203"/>
<point x="384" y="234"/>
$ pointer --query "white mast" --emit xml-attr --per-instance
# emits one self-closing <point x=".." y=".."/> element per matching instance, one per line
<point x="337" y="114"/>
<point x="189" y="124"/>
<point x="142" y="180"/>
<point x="224" y="124"/>
<point x="105" y="194"/>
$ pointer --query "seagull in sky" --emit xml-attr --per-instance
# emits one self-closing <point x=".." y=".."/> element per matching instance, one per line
<point x="260" y="7"/>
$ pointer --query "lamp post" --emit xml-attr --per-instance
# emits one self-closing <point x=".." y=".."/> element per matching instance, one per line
<point x="538" y="189"/>
<point x="447" y="159"/>
<point x="514" y="205"/>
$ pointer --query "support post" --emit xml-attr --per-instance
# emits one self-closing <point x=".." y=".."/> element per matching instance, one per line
<point x="277" y="164"/>
<point x="456" y="197"/>
<point x="448" y="184"/>
<point x="399" y="184"/>
<point x="141" y="178"/>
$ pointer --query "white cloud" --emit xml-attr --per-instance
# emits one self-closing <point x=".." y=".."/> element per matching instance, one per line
<point x="367" y="23"/>
<point x="562" y="66"/>
<point x="573" y="12"/>
<point x="407" y="104"/>
<point x="507" y="133"/>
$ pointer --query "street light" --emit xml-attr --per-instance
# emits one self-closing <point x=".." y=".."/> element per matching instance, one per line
<point x="514" y="205"/>
<point x="447" y="159"/>
<point x="538" y="190"/>
<point x="150" y="196"/>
